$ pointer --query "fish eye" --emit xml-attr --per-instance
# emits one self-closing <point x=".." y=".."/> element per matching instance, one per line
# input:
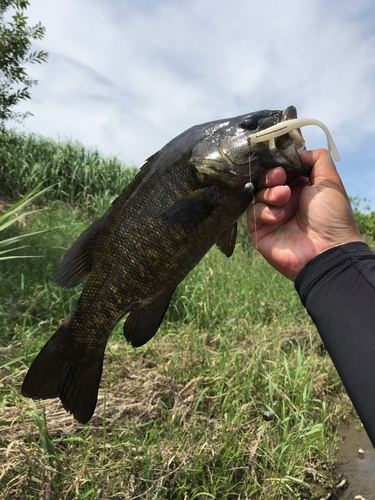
<point x="250" y="123"/>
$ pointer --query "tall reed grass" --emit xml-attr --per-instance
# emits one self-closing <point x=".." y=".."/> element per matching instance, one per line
<point x="75" y="172"/>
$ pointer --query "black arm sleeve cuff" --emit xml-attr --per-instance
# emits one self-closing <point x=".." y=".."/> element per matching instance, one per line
<point x="338" y="290"/>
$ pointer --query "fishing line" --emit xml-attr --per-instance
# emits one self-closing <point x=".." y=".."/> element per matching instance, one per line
<point x="267" y="416"/>
<point x="255" y="231"/>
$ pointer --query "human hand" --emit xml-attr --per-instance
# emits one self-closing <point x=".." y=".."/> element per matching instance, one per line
<point x="294" y="220"/>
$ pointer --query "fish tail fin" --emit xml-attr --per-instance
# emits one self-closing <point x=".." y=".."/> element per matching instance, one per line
<point x="65" y="370"/>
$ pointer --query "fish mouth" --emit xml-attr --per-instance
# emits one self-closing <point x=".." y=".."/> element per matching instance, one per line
<point x="291" y="114"/>
<point x="289" y="126"/>
<point x="284" y="149"/>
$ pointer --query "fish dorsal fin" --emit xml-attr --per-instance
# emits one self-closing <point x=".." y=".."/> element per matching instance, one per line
<point x="149" y="159"/>
<point x="227" y="240"/>
<point x="142" y="324"/>
<point x="133" y="185"/>
<point x="77" y="262"/>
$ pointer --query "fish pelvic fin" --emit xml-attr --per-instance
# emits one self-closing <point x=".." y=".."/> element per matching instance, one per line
<point x="227" y="241"/>
<point x="63" y="370"/>
<point x="77" y="262"/>
<point x="142" y="324"/>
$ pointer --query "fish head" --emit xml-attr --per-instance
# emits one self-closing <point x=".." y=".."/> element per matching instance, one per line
<point x="227" y="154"/>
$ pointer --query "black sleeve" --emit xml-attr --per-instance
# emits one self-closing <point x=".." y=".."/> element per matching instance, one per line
<point x="338" y="290"/>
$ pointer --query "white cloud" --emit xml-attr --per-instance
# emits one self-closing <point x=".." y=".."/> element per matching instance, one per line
<point x="129" y="76"/>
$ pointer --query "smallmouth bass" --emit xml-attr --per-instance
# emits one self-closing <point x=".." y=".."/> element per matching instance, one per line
<point x="185" y="199"/>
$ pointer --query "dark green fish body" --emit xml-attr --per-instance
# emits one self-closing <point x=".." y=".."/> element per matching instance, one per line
<point x="185" y="199"/>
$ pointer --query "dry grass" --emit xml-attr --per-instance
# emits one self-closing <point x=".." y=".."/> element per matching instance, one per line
<point x="160" y="432"/>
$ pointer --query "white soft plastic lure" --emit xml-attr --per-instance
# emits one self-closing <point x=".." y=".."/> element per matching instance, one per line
<point x="290" y="125"/>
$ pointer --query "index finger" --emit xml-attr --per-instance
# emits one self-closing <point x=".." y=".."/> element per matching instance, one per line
<point x="273" y="177"/>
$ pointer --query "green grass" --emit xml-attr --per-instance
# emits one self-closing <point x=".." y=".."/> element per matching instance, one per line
<point x="180" y="418"/>
<point x="235" y="343"/>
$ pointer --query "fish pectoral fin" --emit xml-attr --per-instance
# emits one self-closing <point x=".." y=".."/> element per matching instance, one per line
<point x="142" y="324"/>
<point x="194" y="208"/>
<point x="227" y="240"/>
<point x="77" y="262"/>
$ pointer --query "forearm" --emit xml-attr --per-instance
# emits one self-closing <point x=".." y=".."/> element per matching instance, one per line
<point x="338" y="290"/>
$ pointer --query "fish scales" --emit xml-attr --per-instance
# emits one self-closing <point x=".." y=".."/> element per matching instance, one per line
<point x="186" y="198"/>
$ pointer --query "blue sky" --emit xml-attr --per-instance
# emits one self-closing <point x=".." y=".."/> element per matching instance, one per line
<point x="128" y="76"/>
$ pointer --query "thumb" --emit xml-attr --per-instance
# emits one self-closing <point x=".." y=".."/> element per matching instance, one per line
<point x="323" y="169"/>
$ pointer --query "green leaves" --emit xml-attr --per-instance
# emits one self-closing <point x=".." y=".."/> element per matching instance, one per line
<point x="364" y="216"/>
<point x="16" y="38"/>
<point x="13" y="215"/>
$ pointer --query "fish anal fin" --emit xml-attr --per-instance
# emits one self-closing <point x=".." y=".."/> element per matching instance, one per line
<point x="227" y="240"/>
<point x="62" y="371"/>
<point x="77" y="262"/>
<point x="193" y="208"/>
<point x="142" y="324"/>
